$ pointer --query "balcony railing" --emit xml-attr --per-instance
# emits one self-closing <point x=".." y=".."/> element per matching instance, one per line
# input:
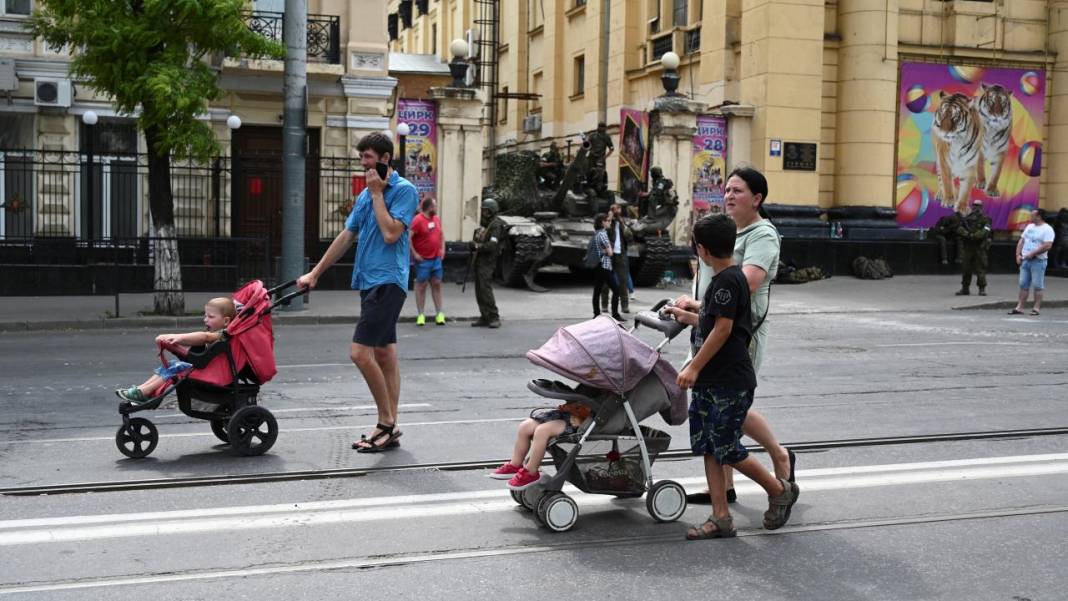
<point x="324" y="34"/>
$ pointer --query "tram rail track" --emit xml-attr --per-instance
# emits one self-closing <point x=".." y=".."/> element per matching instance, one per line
<point x="326" y="474"/>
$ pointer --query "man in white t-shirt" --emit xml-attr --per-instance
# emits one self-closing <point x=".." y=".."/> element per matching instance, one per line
<point x="1031" y="254"/>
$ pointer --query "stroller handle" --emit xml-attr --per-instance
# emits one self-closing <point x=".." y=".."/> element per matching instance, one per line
<point x="655" y="320"/>
<point x="280" y="287"/>
<point x="284" y="300"/>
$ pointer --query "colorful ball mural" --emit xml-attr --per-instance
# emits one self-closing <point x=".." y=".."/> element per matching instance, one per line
<point x="1030" y="83"/>
<point x="966" y="74"/>
<point x="1020" y="217"/>
<point x="1030" y="158"/>
<point x="916" y="99"/>
<point x="912" y="198"/>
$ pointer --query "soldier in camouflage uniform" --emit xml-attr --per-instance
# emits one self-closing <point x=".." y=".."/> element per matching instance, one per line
<point x="945" y="231"/>
<point x="486" y="246"/>
<point x="974" y="233"/>
<point x="600" y="147"/>
<point x="551" y="167"/>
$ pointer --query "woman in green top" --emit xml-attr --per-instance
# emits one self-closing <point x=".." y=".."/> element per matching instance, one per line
<point x="756" y="250"/>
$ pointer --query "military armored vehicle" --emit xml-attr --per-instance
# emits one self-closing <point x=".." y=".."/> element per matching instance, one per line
<point x="552" y="225"/>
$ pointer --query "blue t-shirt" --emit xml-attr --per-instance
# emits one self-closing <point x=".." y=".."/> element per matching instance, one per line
<point x="377" y="262"/>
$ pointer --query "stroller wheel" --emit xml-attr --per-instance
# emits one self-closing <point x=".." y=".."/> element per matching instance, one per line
<point x="218" y="428"/>
<point x="252" y="430"/>
<point x="137" y="438"/>
<point x="557" y="512"/>
<point x="517" y="496"/>
<point x="666" y="501"/>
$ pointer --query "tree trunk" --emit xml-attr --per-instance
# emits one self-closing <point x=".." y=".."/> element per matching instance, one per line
<point x="167" y="283"/>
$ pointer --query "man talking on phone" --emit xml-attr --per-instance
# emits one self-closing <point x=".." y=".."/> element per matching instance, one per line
<point x="380" y="217"/>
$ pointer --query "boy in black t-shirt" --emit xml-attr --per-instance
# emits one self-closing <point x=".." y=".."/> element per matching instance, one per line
<point x="722" y="380"/>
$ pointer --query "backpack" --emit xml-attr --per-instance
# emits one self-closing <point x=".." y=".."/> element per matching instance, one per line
<point x="593" y="257"/>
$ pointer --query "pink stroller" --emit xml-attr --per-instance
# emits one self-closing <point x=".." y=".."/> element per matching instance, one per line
<point x="623" y="381"/>
<point x="223" y="383"/>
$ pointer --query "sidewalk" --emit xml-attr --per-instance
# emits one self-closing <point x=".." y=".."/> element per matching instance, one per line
<point x="566" y="301"/>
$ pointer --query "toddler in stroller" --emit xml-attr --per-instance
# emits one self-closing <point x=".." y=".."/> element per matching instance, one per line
<point x="217" y="375"/>
<point x="533" y="437"/>
<point x="620" y="381"/>
<point x="217" y="315"/>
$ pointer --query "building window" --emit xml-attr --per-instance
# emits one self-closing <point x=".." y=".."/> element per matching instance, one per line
<point x="20" y="8"/>
<point x="434" y="38"/>
<point x="535" y="88"/>
<point x="535" y="16"/>
<point x="580" y="3"/>
<point x="16" y="131"/>
<point x="502" y="114"/>
<point x="679" y="13"/>
<point x="580" y="75"/>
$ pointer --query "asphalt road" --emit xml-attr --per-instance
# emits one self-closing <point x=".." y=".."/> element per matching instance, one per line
<point x="965" y="519"/>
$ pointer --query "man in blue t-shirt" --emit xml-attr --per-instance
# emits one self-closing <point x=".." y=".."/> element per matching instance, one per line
<point x="380" y="217"/>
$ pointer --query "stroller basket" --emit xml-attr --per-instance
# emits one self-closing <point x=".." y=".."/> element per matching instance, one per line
<point x="612" y="464"/>
<point x="206" y="401"/>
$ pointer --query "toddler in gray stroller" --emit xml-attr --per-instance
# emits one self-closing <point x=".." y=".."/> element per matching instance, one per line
<point x="600" y="446"/>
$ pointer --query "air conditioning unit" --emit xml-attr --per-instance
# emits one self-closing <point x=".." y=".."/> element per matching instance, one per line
<point x="472" y="43"/>
<point x="51" y="92"/>
<point x="532" y="123"/>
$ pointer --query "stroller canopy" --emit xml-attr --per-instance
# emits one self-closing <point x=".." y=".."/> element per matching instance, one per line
<point x="601" y="354"/>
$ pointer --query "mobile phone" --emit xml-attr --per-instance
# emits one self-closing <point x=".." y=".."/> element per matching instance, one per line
<point x="382" y="169"/>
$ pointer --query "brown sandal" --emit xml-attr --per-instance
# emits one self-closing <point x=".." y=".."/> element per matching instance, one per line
<point x="779" y="507"/>
<point x="724" y="529"/>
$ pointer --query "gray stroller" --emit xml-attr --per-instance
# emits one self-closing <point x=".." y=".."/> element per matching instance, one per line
<point x="623" y="381"/>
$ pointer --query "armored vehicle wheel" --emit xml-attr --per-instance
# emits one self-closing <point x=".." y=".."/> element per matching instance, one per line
<point x="137" y="438"/>
<point x="252" y="430"/>
<point x="218" y="428"/>
<point x="519" y="255"/>
<point x="557" y="512"/>
<point x="666" y="501"/>
<point x="650" y="266"/>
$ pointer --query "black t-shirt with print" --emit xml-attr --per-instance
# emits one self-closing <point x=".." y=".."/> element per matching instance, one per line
<point x="727" y="296"/>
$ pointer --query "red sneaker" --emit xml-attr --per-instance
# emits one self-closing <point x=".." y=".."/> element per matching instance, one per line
<point x="524" y="479"/>
<point x="505" y="472"/>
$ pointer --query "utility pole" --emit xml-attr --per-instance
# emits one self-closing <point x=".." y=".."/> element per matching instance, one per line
<point x="294" y="141"/>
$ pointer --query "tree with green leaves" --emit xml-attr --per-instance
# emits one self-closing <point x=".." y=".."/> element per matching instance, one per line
<point x="151" y="58"/>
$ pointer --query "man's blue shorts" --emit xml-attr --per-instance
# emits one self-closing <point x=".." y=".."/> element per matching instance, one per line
<point x="1033" y="274"/>
<point x="430" y="268"/>
<point x="716" y="418"/>
<point x="379" y="309"/>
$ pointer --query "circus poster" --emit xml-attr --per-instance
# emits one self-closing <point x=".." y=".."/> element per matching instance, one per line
<point x="989" y="143"/>
<point x="709" y="165"/>
<point x="420" y="146"/>
<point x="633" y="153"/>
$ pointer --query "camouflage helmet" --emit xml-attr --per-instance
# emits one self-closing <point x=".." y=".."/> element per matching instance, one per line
<point x="490" y="205"/>
<point x="656" y="172"/>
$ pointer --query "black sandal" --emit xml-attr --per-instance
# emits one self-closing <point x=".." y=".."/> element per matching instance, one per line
<point x="371" y="445"/>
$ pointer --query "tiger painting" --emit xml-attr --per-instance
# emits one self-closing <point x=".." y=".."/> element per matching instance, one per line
<point x="958" y="137"/>
<point x="995" y="113"/>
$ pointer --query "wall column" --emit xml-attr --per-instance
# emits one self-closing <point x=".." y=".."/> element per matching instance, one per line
<point x="867" y="103"/>
<point x="782" y="74"/>
<point x="674" y="124"/>
<point x="1055" y="170"/>
<point x="459" y="160"/>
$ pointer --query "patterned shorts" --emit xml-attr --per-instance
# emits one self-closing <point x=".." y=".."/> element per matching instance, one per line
<point x="716" y="417"/>
<point x="547" y="415"/>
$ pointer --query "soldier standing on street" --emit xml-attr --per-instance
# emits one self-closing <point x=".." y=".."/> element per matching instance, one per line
<point x="974" y="233"/>
<point x="486" y="245"/>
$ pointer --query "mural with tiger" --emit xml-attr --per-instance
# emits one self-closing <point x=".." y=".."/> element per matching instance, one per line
<point x="995" y="113"/>
<point x="957" y="134"/>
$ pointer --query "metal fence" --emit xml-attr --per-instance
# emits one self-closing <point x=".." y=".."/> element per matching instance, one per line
<point x="72" y="208"/>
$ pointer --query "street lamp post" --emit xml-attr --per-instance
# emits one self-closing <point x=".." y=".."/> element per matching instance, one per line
<point x="670" y="78"/>
<point x="233" y="122"/>
<point x="458" y="66"/>
<point x="89" y="118"/>
<point x="401" y="160"/>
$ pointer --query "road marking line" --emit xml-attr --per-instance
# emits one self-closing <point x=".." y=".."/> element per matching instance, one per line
<point x="85" y="528"/>
<point x="421" y="558"/>
<point x="320" y="409"/>
<point x="319" y="429"/>
<point x="961" y="343"/>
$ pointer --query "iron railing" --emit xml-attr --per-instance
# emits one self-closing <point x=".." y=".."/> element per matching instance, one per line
<point x="324" y="34"/>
